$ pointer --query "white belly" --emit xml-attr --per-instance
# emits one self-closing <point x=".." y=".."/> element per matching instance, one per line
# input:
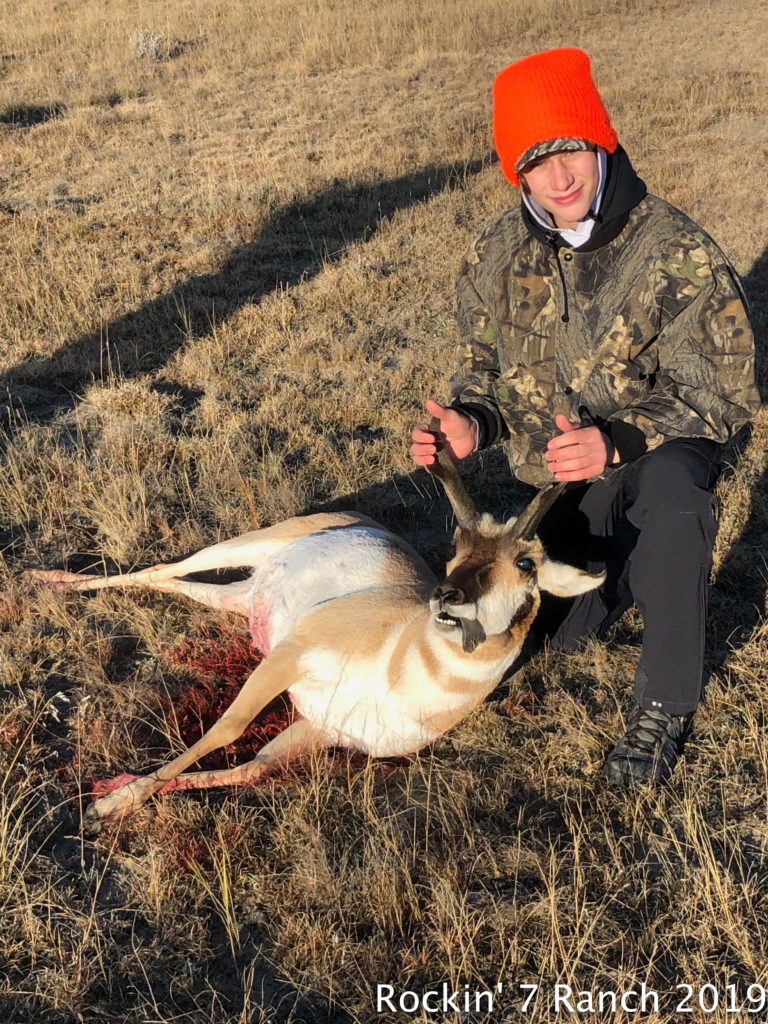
<point x="318" y="568"/>
<point x="356" y="705"/>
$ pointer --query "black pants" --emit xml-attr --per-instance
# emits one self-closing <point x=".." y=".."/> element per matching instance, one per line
<point x="651" y="526"/>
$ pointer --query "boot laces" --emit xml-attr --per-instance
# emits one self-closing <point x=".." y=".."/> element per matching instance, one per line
<point x="649" y="730"/>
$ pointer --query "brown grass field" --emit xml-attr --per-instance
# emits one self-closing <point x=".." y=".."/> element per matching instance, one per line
<point x="227" y="290"/>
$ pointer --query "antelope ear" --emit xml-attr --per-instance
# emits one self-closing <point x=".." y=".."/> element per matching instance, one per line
<point x="566" y="580"/>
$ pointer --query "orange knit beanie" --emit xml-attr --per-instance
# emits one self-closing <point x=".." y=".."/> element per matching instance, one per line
<point x="547" y="97"/>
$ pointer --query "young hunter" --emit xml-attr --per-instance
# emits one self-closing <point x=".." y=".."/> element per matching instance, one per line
<point x="604" y="339"/>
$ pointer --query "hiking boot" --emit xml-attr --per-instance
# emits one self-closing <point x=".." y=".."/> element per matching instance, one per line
<point x="649" y="749"/>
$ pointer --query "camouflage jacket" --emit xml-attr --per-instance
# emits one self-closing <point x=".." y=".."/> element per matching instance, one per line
<point x="647" y="336"/>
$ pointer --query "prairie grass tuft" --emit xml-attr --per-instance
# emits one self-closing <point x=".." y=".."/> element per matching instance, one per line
<point x="153" y="46"/>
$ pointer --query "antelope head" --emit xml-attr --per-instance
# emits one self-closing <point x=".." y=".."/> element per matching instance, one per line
<point x="492" y="582"/>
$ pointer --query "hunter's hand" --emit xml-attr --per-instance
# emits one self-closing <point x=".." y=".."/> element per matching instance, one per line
<point x="579" y="452"/>
<point x="459" y="435"/>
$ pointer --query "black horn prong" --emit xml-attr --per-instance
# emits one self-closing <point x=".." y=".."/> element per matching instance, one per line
<point x="446" y="472"/>
<point x="529" y="520"/>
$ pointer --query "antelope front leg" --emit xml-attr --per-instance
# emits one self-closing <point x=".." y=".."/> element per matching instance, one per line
<point x="273" y="676"/>
<point x="298" y="738"/>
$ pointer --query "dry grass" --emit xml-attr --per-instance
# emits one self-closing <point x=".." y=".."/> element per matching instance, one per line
<point x="226" y="291"/>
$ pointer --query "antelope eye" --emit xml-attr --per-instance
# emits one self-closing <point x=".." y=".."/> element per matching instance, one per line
<point x="525" y="564"/>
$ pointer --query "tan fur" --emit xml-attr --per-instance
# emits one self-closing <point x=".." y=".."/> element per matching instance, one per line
<point x="343" y="608"/>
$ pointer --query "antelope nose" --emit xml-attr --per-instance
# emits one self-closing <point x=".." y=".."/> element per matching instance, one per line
<point x="448" y="594"/>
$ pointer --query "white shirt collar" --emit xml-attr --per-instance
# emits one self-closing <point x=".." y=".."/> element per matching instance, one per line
<point x="582" y="232"/>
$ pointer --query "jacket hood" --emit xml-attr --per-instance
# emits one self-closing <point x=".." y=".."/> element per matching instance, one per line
<point x="623" y="191"/>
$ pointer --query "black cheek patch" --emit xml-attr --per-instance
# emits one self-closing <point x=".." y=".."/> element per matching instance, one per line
<point x="523" y="611"/>
<point x="472" y="635"/>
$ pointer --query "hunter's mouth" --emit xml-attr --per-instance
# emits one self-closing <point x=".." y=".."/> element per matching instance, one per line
<point x="570" y="198"/>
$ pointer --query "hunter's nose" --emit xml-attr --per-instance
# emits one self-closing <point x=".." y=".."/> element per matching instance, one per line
<point x="446" y="593"/>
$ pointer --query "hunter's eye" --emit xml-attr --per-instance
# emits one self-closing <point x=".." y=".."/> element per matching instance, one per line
<point x="525" y="564"/>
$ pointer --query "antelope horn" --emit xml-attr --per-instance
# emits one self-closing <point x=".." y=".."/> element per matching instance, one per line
<point x="446" y="472"/>
<point x="527" y="523"/>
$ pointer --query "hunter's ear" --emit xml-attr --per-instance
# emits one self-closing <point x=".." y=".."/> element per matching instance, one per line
<point x="566" y="580"/>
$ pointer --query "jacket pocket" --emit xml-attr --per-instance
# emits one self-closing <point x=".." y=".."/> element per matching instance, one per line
<point x="609" y="389"/>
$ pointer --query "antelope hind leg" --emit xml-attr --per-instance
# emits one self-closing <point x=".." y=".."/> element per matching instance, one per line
<point x="227" y="596"/>
<point x="248" y="550"/>
<point x="270" y="678"/>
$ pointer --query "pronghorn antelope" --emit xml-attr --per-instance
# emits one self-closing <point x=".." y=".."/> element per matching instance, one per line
<point x="374" y="653"/>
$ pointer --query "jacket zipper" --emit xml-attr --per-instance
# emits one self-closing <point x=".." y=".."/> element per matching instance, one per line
<point x="565" y="317"/>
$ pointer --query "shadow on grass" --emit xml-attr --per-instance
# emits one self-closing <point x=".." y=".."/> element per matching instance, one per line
<point x="27" y="115"/>
<point x="222" y="990"/>
<point x="299" y="240"/>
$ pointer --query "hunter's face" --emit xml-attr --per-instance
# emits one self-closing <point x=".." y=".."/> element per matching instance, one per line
<point x="565" y="184"/>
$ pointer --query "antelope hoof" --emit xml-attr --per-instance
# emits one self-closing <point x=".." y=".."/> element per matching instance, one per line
<point x="57" y="579"/>
<point x="110" y="809"/>
<point x="91" y="829"/>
